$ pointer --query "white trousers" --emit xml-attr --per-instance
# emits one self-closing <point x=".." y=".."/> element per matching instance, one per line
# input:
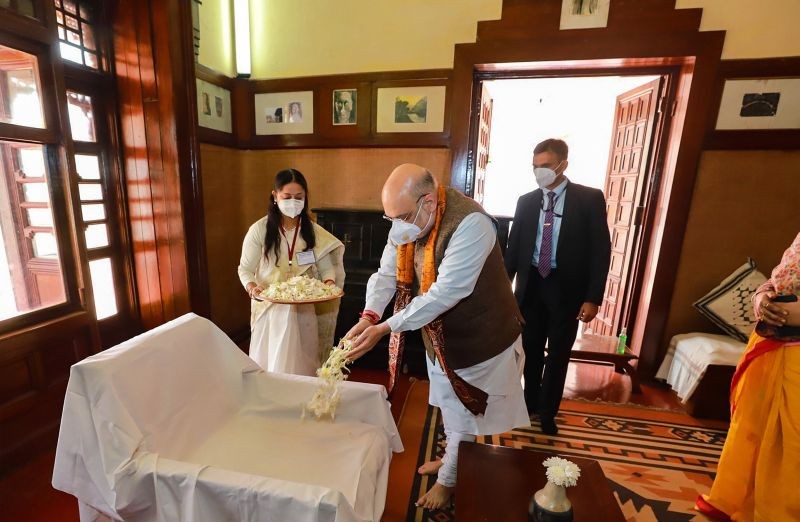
<point x="500" y="378"/>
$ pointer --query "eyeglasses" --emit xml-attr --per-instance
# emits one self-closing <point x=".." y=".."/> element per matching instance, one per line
<point x="407" y="216"/>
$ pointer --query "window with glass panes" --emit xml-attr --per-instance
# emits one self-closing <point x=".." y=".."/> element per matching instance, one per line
<point x="100" y="215"/>
<point x="31" y="271"/>
<point x="76" y="32"/>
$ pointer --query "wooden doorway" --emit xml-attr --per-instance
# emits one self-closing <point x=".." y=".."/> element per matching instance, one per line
<point x="632" y="124"/>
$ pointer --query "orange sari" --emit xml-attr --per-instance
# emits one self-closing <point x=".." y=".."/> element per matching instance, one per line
<point x="758" y="475"/>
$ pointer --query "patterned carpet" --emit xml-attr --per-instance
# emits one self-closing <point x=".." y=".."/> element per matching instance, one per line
<point x="656" y="462"/>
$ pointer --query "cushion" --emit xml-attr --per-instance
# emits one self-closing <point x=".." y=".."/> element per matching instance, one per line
<point x="729" y="306"/>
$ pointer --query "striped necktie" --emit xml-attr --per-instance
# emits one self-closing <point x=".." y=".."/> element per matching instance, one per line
<point x="546" y="250"/>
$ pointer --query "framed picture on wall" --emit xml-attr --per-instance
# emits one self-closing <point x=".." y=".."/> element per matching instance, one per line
<point x="345" y="106"/>
<point x="759" y="103"/>
<point x="584" y="14"/>
<point x="284" y="113"/>
<point x="411" y="109"/>
<point x="213" y="106"/>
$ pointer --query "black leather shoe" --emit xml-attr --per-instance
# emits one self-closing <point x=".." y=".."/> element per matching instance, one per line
<point x="548" y="426"/>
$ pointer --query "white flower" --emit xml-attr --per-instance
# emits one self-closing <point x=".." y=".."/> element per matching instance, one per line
<point x="300" y="288"/>
<point x="332" y="372"/>
<point x="562" y="472"/>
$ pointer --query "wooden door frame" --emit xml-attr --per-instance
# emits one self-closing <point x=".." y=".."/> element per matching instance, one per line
<point x="664" y="37"/>
<point x="671" y="74"/>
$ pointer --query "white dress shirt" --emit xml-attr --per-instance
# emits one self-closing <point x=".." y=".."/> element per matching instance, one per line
<point x="458" y="273"/>
<point x="558" y="209"/>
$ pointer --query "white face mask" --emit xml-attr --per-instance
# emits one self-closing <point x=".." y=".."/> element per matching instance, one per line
<point x="291" y="208"/>
<point x="403" y="232"/>
<point x="544" y="176"/>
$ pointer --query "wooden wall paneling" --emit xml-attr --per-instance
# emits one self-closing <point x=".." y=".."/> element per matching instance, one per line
<point x="325" y="134"/>
<point x="243" y="105"/>
<point x="528" y="34"/>
<point x="134" y="67"/>
<point x="175" y="24"/>
<point x="161" y="158"/>
<point x="34" y="370"/>
<point x="772" y="139"/>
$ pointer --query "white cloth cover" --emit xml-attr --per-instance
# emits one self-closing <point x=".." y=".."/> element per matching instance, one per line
<point x="178" y="424"/>
<point x="690" y="354"/>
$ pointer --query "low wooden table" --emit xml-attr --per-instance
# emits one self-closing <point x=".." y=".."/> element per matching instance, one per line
<point x="496" y="483"/>
<point x="603" y="349"/>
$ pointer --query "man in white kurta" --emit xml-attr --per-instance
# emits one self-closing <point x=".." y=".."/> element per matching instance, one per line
<point x="471" y="242"/>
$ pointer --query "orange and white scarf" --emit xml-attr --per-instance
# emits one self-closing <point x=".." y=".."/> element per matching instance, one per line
<point x="473" y="398"/>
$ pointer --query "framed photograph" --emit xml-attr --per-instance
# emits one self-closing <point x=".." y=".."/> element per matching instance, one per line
<point x="213" y="106"/>
<point x="760" y="103"/>
<point x="284" y="113"/>
<point x="411" y="109"/>
<point x="584" y="14"/>
<point x="345" y="106"/>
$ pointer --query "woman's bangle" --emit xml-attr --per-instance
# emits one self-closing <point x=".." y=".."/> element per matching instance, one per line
<point x="370" y="316"/>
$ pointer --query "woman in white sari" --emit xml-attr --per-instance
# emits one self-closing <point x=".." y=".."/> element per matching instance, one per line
<point x="283" y="244"/>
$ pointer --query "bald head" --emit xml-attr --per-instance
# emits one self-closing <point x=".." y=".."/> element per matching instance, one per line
<point x="405" y="185"/>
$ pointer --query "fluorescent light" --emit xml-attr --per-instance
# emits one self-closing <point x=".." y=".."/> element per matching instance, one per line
<point x="241" y="31"/>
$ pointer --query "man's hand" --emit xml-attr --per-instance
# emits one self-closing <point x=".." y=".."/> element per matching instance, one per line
<point x="767" y="311"/>
<point x="356" y="330"/>
<point x="367" y="340"/>
<point x="588" y="312"/>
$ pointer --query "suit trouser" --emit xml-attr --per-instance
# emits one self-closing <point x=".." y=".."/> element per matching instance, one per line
<point x="550" y="319"/>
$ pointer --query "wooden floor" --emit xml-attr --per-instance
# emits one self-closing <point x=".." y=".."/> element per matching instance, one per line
<point x="26" y="494"/>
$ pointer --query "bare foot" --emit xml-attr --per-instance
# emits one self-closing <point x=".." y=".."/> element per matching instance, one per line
<point x="437" y="497"/>
<point x="430" y="468"/>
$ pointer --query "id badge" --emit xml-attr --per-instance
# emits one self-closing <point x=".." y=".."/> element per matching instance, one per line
<point x="306" y="258"/>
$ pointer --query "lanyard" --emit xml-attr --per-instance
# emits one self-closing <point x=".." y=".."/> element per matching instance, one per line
<point x="294" y="241"/>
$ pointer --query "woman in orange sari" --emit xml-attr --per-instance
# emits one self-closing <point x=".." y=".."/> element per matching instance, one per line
<point x="759" y="471"/>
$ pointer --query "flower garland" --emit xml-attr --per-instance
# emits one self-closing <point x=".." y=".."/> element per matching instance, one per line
<point x="325" y="400"/>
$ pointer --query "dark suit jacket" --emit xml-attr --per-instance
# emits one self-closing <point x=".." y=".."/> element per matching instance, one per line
<point x="583" y="251"/>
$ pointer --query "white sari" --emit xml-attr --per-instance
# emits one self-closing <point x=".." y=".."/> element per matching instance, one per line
<point x="291" y="338"/>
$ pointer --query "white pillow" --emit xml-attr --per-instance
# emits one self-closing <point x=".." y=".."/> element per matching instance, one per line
<point x="729" y="306"/>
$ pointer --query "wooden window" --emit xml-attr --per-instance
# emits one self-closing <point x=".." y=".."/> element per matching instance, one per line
<point x="77" y="32"/>
<point x="22" y="7"/>
<point x="30" y="267"/>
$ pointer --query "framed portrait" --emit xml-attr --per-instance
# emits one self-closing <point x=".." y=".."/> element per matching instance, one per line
<point x="411" y="109"/>
<point x="345" y="106"/>
<point x="213" y="106"/>
<point x="284" y="113"/>
<point x="584" y="14"/>
<point x="760" y="103"/>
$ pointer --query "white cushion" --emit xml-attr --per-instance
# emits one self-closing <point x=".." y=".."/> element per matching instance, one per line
<point x="728" y="305"/>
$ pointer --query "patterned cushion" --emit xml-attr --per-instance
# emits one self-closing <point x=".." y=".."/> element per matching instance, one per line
<point x="728" y="305"/>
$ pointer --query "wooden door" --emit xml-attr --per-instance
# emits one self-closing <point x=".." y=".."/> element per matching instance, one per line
<point x="482" y="148"/>
<point x="628" y="170"/>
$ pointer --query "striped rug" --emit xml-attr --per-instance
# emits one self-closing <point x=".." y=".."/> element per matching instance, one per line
<point x="655" y="461"/>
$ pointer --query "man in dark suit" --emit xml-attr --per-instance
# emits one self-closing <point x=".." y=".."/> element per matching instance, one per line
<point x="559" y="250"/>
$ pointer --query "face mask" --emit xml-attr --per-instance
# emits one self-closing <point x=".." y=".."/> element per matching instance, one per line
<point x="544" y="176"/>
<point x="291" y="208"/>
<point x="403" y="232"/>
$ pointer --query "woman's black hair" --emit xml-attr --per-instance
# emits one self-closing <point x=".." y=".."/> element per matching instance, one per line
<point x="272" y="241"/>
